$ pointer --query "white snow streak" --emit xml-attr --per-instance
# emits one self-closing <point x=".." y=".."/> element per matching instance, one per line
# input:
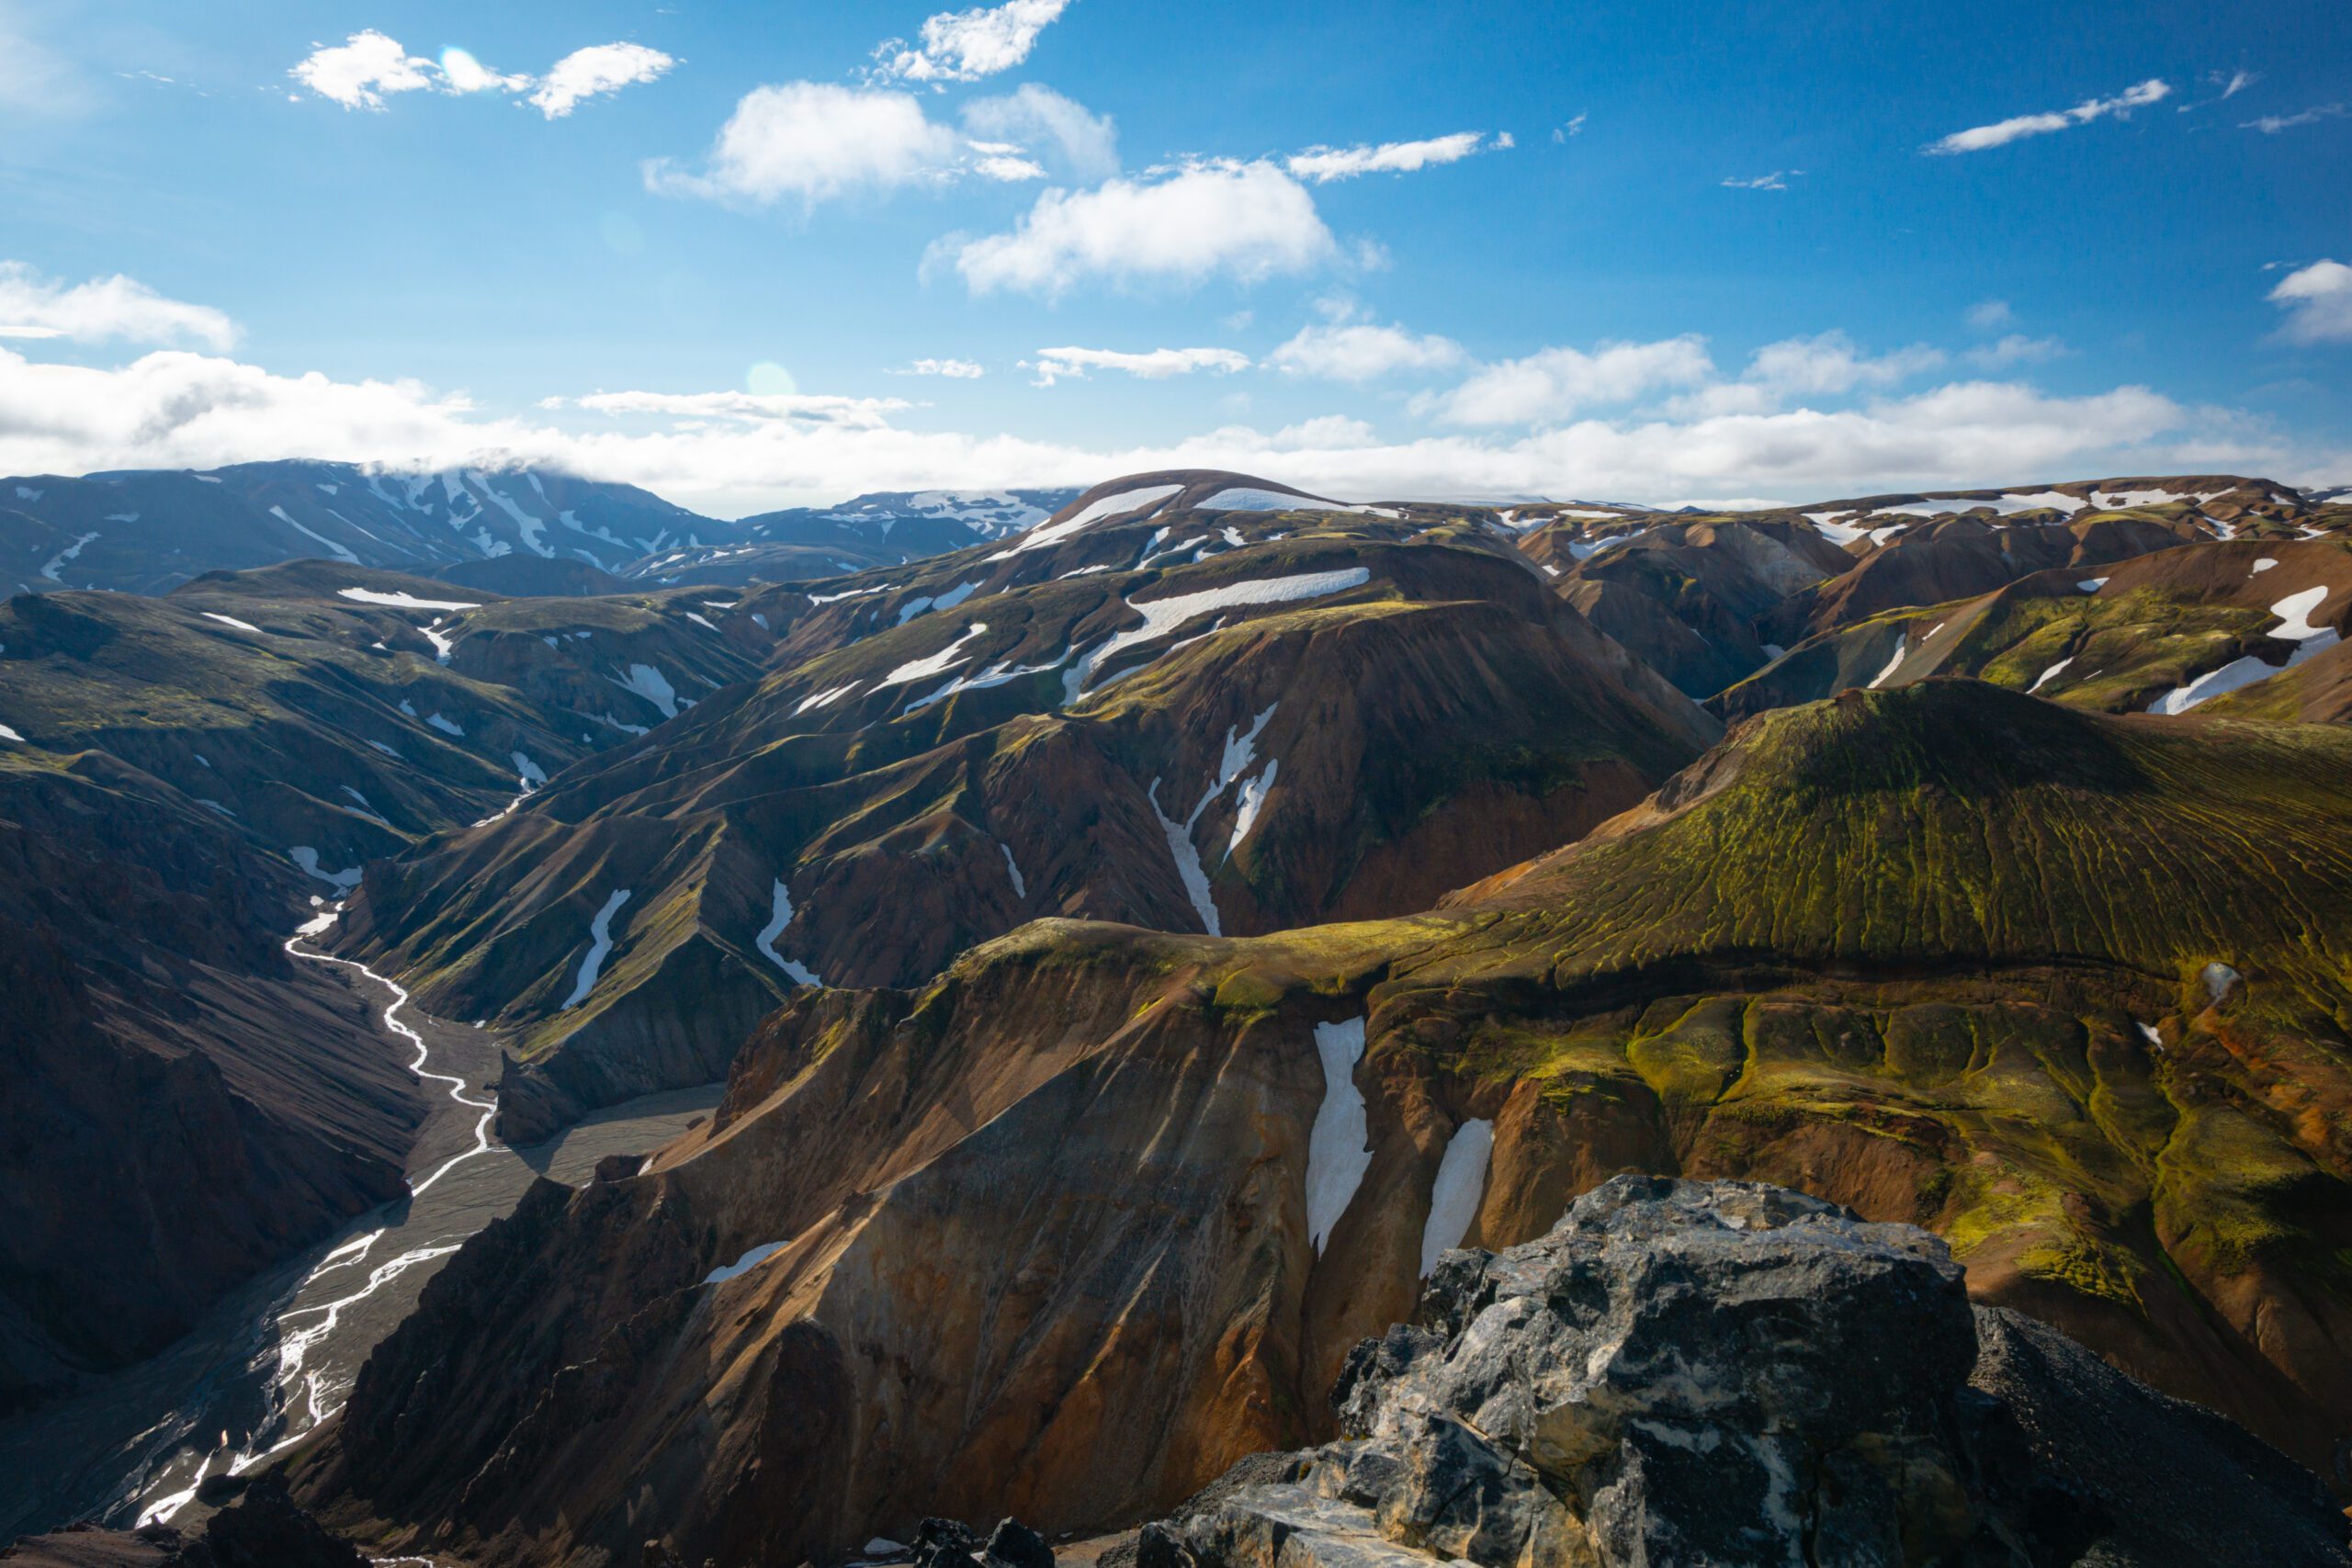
<point x="1339" y="1148"/>
<point x="600" y="933"/>
<point x="1453" y="1197"/>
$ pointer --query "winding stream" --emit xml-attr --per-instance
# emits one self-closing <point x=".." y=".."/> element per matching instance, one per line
<point x="276" y="1360"/>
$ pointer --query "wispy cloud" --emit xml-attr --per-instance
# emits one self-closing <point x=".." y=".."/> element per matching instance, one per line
<point x="1324" y="164"/>
<point x="2226" y="84"/>
<point x="1573" y="128"/>
<point x="2001" y="133"/>
<point x="1777" y="180"/>
<point x="2318" y="302"/>
<point x="1153" y="365"/>
<point x="102" y="308"/>
<point x="1039" y="122"/>
<point x="864" y="412"/>
<point x="2272" y="124"/>
<point x="370" y="66"/>
<point x="1553" y="384"/>
<point x="962" y="46"/>
<point x="2015" y="348"/>
<point x="1990" y="315"/>
<point x="953" y="369"/>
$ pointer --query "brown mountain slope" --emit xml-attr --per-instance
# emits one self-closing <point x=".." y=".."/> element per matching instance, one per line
<point x="1073" y="1226"/>
<point x="1319" y="728"/>
<point x="1934" y="563"/>
<point x="2140" y="632"/>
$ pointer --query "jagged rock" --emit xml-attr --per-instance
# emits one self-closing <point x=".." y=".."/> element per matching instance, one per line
<point x="945" y="1543"/>
<point x="1014" y="1545"/>
<point x="1728" y="1372"/>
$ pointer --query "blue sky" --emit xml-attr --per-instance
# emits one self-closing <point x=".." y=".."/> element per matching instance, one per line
<point x="1702" y="251"/>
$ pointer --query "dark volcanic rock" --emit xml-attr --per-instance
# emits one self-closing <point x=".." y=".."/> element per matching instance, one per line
<point x="1729" y="1372"/>
<point x="263" y="1528"/>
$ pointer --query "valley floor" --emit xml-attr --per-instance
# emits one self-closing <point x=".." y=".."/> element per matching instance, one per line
<point x="267" y="1365"/>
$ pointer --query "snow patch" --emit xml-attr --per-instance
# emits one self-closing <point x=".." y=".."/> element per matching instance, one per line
<point x="1020" y="887"/>
<point x="445" y="725"/>
<point x="1902" y="648"/>
<point x="70" y="552"/>
<point x="653" y="685"/>
<point x="402" y="600"/>
<point x="338" y="552"/>
<point x="2091" y="585"/>
<point x="232" y="621"/>
<point x="2044" y="678"/>
<point x="1339" y="1148"/>
<point x="744" y="1264"/>
<point x="1163" y="616"/>
<point x="1114" y="505"/>
<point x="307" y="858"/>
<point x="600" y="943"/>
<point x="778" y="918"/>
<point x="824" y="699"/>
<point x="938" y="663"/>
<point x="1189" y="869"/>
<point x="1453" y="1197"/>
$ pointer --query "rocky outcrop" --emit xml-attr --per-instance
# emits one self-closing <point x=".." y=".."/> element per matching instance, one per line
<point x="1728" y="1372"/>
<point x="261" y="1529"/>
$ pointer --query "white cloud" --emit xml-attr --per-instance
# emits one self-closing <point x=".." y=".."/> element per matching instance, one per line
<point x="1155" y="364"/>
<point x="1343" y="351"/>
<point x="815" y="140"/>
<point x="461" y="73"/>
<point x="1978" y="138"/>
<point x="1560" y="134"/>
<point x="1990" y="315"/>
<point x="1777" y="180"/>
<point x="2016" y="348"/>
<point x="1004" y="160"/>
<point x="174" y="408"/>
<point x="117" y="307"/>
<point x="590" y="72"/>
<point x="961" y="46"/>
<point x="2318" y="302"/>
<point x="1324" y="164"/>
<point x="2272" y="124"/>
<point x="953" y="369"/>
<point x="1552" y="383"/>
<point x="359" y="71"/>
<point x="1830" y="362"/>
<point x="1246" y="222"/>
<point x="1035" y="119"/>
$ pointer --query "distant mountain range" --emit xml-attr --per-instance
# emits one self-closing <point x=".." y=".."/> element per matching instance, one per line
<point x="529" y="531"/>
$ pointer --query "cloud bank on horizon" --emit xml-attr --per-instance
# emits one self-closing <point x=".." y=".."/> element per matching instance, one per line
<point x="1384" y="312"/>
